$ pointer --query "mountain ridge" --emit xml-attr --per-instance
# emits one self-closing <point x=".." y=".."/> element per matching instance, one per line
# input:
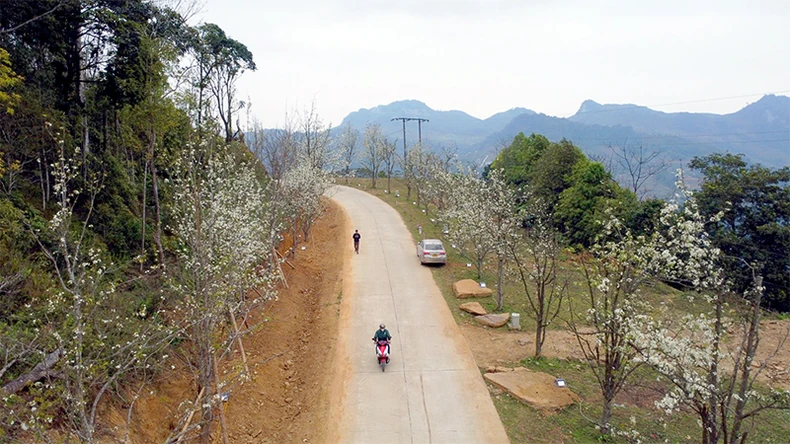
<point x="760" y="130"/>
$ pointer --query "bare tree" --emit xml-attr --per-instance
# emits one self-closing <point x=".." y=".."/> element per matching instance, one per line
<point x="535" y="258"/>
<point x="638" y="165"/>
<point x="414" y="169"/>
<point x="390" y="159"/>
<point x="314" y="138"/>
<point x="447" y="157"/>
<point x="347" y="146"/>
<point x="277" y="148"/>
<point x="373" y="154"/>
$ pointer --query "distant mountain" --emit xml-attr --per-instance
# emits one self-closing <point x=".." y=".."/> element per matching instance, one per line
<point x="761" y="130"/>
<point x="443" y="128"/>
<point x="770" y="113"/>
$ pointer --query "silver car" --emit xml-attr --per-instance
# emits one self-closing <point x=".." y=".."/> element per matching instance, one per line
<point x="431" y="251"/>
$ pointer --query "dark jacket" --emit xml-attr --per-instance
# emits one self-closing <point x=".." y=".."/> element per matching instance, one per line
<point x="381" y="334"/>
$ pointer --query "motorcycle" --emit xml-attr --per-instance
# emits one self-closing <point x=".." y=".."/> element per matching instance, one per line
<point x="382" y="353"/>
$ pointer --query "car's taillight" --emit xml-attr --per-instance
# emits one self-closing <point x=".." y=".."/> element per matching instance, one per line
<point x="426" y="252"/>
<point x="442" y="252"/>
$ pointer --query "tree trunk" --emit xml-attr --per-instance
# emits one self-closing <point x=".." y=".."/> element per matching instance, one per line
<point x="606" y="416"/>
<point x="499" y="270"/>
<point x="205" y="377"/>
<point x="157" y="211"/>
<point x="222" y="423"/>
<point x="753" y="339"/>
<point x="41" y="370"/>
<point x="539" y="336"/>
<point x="711" y="425"/>
<point x="145" y="192"/>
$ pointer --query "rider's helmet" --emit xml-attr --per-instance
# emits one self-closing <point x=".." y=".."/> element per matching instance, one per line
<point x="381" y="326"/>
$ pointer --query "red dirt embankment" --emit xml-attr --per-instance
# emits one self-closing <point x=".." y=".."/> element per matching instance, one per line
<point x="291" y="357"/>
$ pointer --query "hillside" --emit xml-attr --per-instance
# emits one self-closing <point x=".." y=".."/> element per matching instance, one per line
<point x="443" y="128"/>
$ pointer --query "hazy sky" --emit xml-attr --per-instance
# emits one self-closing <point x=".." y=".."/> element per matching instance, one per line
<point x="487" y="56"/>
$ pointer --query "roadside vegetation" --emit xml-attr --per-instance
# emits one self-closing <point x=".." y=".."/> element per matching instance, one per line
<point x="659" y="310"/>
<point x="138" y="227"/>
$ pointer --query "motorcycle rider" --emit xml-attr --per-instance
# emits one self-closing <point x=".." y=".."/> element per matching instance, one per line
<point x="382" y="334"/>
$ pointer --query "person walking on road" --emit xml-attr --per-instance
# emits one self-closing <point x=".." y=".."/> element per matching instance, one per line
<point x="356" y="237"/>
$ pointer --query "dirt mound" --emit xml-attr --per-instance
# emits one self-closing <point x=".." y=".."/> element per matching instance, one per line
<point x="536" y="389"/>
<point x="774" y="339"/>
<point x="468" y="288"/>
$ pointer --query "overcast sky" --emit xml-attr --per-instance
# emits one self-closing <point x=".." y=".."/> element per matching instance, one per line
<point x="487" y="56"/>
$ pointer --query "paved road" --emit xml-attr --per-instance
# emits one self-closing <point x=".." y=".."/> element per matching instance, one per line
<point x="432" y="390"/>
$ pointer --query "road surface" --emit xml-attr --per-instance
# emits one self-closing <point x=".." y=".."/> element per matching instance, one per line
<point x="432" y="390"/>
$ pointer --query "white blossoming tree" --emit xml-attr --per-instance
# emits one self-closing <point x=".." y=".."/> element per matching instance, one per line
<point x="87" y="336"/>
<point x="613" y="271"/>
<point x="505" y="220"/>
<point x="303" y="189"/>
<point x="709" y="374"/>
<point x="465" y="211"/>
<point x="221" y="218"/>
<point x="482" y="215"/>
<point x="347" y="147"/>
<point x="535" y="261"/>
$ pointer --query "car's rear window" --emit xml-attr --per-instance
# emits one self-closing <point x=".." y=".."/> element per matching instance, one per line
<point x="433" y="247"/>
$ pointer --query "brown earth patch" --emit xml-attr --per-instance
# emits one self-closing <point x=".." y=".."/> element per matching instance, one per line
<point x="495" y="347"/>
<point x="537" y="389"/>
<point x="291" y="358"/>
<point x="774" y="339"/>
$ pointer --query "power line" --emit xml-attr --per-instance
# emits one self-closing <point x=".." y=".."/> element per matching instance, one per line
<point x="637" y="138"/>
<point x="685" y="136"/>
<point x="715" y="99"/>
<point x="732" y="141"/>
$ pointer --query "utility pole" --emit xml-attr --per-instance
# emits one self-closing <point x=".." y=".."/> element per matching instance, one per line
<point x="405" y="151"/>
<point x="419" y="129"/>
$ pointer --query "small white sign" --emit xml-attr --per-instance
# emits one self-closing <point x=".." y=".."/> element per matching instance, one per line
<point x="482" y="285"/>
<point x="304" y="248"/>
<point x="560" y="382"/>
<point x="468" y="264"/>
